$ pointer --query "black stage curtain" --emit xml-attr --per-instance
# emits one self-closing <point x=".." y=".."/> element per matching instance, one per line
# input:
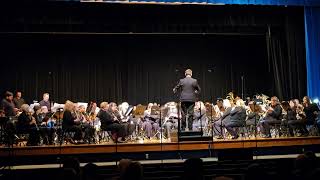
<point x="259" y="50"/>
<point x="286" y="57"/>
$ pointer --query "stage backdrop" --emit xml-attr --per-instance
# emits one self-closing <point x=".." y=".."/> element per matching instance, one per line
<point x="259" y="50"/>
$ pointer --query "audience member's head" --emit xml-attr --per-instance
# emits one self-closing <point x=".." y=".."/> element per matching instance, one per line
<point x="311" y="156"/>
<point x="123" y="165"/>
<point x="72" y="163"/>
<point x="133" y="172"/>
<point x="90" y="172"/>
<point x="306" y="161"/>
<point x="255" y="171"/>
<point x="193" y="168"/>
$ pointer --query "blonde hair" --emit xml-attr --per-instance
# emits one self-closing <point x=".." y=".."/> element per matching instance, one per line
<point x="25" y="107"/>
<point x="68" y="105"/>
<point x="240" y="102"/>
<point x="188" y="72"/>
<point x="103" y="105"/>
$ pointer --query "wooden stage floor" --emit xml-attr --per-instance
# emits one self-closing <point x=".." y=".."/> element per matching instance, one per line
<point x="156" y="146"/>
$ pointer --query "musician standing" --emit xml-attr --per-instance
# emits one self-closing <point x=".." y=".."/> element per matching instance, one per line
<point x="8" y="106"/>
<point x="45" y="101"/>
<point x="18" y="100"/>
<point x="189" y="90"/>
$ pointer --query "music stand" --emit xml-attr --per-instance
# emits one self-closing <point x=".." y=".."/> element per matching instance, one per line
<point x="210" y="113"/>
<point x="162" y="112"/>
<point x="139" y="111"/>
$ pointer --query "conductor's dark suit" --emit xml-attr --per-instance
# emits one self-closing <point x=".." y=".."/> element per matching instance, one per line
<point x="189" y="90"/>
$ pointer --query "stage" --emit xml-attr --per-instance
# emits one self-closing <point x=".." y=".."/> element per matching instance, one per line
<point x="157" y="146"/>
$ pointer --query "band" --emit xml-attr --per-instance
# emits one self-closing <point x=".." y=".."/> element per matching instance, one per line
<point x="47" y="123"/>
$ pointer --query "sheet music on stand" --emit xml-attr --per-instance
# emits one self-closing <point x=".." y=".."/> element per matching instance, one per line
<point x="57" y="107"/>
<point x="33" y="105"/>
<point x="129" y="111"/>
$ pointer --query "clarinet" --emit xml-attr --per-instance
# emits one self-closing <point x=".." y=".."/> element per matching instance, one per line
<point x="33" y="119"/>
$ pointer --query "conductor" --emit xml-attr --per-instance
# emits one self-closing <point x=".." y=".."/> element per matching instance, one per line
<point x="189" y="89"/>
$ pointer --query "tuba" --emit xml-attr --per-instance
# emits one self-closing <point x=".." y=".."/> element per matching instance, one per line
<point x="265" y="99"/>
<point x="230" y="96"/>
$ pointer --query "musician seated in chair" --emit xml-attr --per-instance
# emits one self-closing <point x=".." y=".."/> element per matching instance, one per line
<point x="70" y="122"/>
<point x="234" y="116"/>
<point x="312" y="111"/>
<point x="125" y="114"/>
<point x="171" y="118"/>
<point x="200" y="117"/>
<point x="85" y="123"/>
<point x="291" y="117"/>
<point x="253" y="114"/>
<point x="219" y="109"/>
<point x="273" y="116"/>
<point x="27" y="125"/>
<point x="45" y="123"/>
<point x="149" y="122"/>
<point x="91" y="113"/>
<point x="109" y="122"/>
